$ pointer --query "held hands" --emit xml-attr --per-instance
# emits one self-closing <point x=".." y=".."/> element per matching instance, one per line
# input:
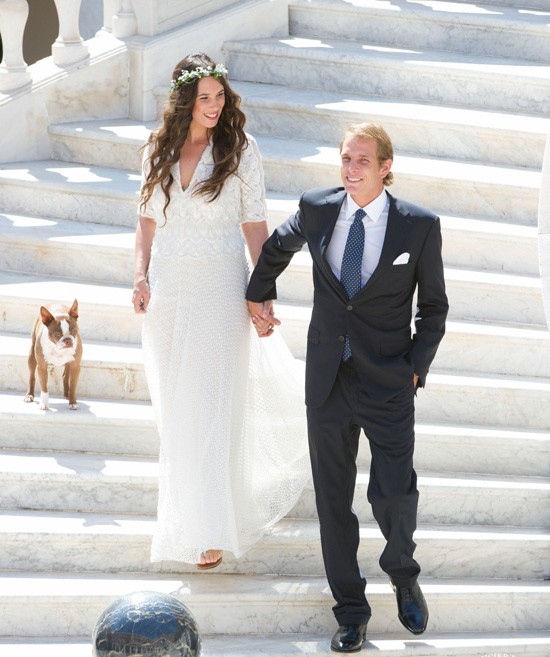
<point x="141" y="296"/>
<point x="263" y="318"/>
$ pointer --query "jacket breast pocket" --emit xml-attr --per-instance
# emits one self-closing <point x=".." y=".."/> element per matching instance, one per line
<point x="313" y="335"/>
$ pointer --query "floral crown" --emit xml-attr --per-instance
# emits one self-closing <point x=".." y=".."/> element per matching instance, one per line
<point x="188" y="77"/>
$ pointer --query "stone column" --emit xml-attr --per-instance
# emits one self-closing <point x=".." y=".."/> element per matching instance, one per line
<point x="544" y="230"/>
<point x="14" y="73"/>
<point x="124" y="23"/>
<point x="69" y="46"/>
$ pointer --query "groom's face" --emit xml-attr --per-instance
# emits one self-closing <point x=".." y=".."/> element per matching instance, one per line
<point x="362" y="173"/>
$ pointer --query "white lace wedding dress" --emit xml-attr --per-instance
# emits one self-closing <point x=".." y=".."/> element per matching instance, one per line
<point x="229" y="405"/>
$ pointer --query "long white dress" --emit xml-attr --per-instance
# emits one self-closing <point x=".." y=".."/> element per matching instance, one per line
<point x="229" y="405"/>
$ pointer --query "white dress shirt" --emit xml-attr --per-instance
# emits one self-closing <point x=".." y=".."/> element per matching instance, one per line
<point x="375" y="222"/>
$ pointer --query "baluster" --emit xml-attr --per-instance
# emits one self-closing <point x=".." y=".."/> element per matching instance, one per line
<point x="69" y="46"/>
<point x="14" y="73"/>
<point x="124" y="21"/>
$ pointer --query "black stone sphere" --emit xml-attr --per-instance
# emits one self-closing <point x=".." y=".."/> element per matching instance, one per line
<point x="146" y="623"/>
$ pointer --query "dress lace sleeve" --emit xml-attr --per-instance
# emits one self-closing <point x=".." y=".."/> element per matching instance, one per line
<point x="146" y="210"/>
<point x="251" y="173"/>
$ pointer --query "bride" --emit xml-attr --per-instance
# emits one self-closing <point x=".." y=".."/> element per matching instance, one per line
<point x="229" y="406"/>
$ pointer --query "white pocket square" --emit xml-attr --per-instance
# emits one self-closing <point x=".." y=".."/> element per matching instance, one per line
<point x="402" y="259"/>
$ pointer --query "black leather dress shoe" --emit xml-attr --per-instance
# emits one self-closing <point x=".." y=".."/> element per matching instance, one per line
<point x="412" y="608"/>
<point x="349" y="638"/>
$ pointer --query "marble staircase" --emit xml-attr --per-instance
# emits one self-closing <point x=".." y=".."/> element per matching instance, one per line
<point x="463" y="88"/>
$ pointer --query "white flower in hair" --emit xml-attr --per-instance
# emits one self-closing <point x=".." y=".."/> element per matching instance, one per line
<point x="188" y="77"/>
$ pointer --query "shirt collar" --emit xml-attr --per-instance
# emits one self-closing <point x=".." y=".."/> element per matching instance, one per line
<point x="374" y="209"/>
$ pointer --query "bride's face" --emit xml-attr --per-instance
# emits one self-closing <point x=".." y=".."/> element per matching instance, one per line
<point x="208" y="103"/>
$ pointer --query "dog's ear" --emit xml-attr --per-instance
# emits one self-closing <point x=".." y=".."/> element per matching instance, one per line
<point x="47" y="317"/>
<point x="73" y="312"/>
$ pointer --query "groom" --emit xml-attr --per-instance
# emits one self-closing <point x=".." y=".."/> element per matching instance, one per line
<point x="370" y="252"/>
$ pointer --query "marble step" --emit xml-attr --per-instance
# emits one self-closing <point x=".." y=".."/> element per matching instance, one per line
<point x="69" y="606"/>
<point x="496" y="192"/>
<point x="495" y="30"/>
<point x="57" y="542"/>
<point x="109" y="196"/>
<point x="114" y="370"/>
<point x="473" y="296"/>
<point x="67" y="190"/>
<point x="106" y="315"/>
<point x="446" y="187"/>
<point x="458" y="644"/>
<point x="503" y="401"/>
<point x="128" y="428"/>
<point x="99" y="483"/>
<point x="102" y="253"/>
<point x="432" y="76"/>
<point x="455" y="133"/>
<point x="519" y="5"/>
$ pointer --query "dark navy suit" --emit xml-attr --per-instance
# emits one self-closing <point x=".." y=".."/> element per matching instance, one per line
<point x="375" y="391"/>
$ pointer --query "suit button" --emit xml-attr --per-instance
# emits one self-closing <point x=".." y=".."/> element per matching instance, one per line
<point x="341" y="338"/>
<point x="350" y="307"/>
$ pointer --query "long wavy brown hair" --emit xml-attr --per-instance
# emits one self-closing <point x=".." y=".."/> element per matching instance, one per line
<point x="228" y="136"/>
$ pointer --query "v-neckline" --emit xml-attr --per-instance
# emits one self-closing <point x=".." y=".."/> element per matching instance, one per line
<point x="194" y="171"/>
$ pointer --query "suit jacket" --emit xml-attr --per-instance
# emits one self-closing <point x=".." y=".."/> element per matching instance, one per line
<point x="378" y="318"/>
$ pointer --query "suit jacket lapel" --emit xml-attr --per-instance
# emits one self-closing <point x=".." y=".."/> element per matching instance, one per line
<point x="397" y="230"/>
<point x="330" y="212"/>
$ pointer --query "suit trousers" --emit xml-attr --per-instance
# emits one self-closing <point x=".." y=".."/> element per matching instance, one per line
<point x="333" y="431"/>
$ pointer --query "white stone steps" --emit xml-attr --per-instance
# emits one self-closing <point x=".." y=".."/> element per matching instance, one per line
<point x="455" y="499"/>
<point x="494" y="30"/>
<point x="431" y="644"/>
<point x="109" y="196"/>
<point x="128" y="428"/>
<point x="415" y="74"/>
<point x="60" y="247"/>
<point x="105" y="314"/>
<point x="69" y="606"/>
<point x="119" y="427"/>
<point x="57" y="542"/>
<point x="101" y="253"/>
<point x="290" y="165"/>
<point x="99" y="483"/>
<point x="105" y="311"/>
<point x="456" y="133"/>
<point x="503" y="401"/>
<point x="112" y="143"/>
<point x="473" y="296"/>
<point x="115" y="371"/>
<point x="444" y="186"/>
<point x="67" y="190"/>
<point x="519" y="5"/>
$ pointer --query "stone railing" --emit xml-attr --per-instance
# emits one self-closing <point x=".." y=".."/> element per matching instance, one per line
<point x="69" y="47"/>
<point x="143" y="25"/>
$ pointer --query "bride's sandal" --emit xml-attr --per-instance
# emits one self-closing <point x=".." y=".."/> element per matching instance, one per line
<point x="208" y="565"/>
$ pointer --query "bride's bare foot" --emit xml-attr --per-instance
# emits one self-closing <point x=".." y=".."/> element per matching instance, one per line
<point x="210" y="559"/>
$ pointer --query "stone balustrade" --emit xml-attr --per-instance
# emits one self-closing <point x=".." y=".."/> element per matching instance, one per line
<point x="14" y="73"/>
<point x="69" y="47"/>
<point x="121" y="18"/>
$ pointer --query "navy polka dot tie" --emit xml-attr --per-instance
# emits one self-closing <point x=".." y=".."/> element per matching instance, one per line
<point x="350" y="274"/>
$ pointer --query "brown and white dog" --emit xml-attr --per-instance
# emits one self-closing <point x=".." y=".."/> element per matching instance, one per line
<point x="55" y="341"/>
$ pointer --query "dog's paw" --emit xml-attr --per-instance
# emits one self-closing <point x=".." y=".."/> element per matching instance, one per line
<point x="43" y="407"/>
<point x="73" y="407"/>
<point x="28" y="398"/>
